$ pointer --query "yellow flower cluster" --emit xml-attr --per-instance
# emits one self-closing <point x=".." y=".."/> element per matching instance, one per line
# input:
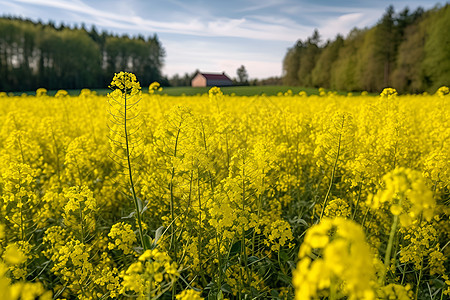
<point x="154" y="86"/>
<point x="228" y="189"/>
<point x="123" y="237"/>
<point x="279" y="234"/>
<point x="126" y="82"/>
<point x="189" y="295"/>
<point x="16" y="256"/>
<point x="443" y="91"/>
<point x="61" y="94"/>
<point x="395" y="291"/>
<point x="389" y="93"/>
<point x="337" y="208"/>
<point x="215" y="92"/>
<point x="41" y="92"/>
<point x="13" y="256"/>
<point x="79" y="212"/>
<point x="421" y="242"/>
<point x="151" y="275"/>
<point x="343" y="266"/>
<point x="243" y="280"/>
<point x="437" y="167"/>
<point x="407" y="196"/>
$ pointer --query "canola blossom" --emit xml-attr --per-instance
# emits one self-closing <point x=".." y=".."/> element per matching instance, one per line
<point x="142" y="195"/>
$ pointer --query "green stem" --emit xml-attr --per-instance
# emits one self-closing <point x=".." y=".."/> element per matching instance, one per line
<point x="81" y="222"/>
<point x="387" y="256"/>
<point x="254" y="231"/>
<point x="172" y="198"/>
<point x="22" y="230"/>
<point x="365" y="217"/>
<point x="419" y="279"/>
<point x="258" y="212"/>
<point x="357" y="203"/>
<point x="173" y="290"/>
<point x="136" y="205"/>
<point x="332" y="291"/>
<point x="228" y="152"/>
<point x="403" y="274"/>
<point x="243" y="248"/>
<point x="58" y="171"/>
<point x="21" y="148"/>
<point x="332" y="177"/>
<point x="199" y="246"/>
<point x="206" y="152"/>
<point x="219" y="258"/>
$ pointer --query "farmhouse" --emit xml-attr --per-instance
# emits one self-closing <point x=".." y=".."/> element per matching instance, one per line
<point x="211" y="79"/>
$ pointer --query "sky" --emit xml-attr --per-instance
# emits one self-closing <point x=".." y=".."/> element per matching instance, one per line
<point x="216" y="35"/>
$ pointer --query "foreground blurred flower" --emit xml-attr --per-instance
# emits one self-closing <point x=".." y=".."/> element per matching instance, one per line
<point x="343" y="264"/>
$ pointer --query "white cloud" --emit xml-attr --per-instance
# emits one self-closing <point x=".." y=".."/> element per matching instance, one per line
<point x="330" y="27"/>
<point x="69" y="5"/>
<point x="190" y="8"/>
<point x="258" y="5"/>
<point x="214" y="27"/>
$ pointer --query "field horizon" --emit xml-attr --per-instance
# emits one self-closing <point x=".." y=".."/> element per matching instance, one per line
<point x="268" y="90"/>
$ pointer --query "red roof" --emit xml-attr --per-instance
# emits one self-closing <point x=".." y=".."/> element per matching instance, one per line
<point x="211" y="76"/>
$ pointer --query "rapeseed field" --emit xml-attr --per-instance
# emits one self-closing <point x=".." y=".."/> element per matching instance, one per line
<point x="141" y="195"/>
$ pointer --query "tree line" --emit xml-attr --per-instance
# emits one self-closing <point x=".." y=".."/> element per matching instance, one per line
<point x="34" y="54"/>
<point x="408" y="50"/>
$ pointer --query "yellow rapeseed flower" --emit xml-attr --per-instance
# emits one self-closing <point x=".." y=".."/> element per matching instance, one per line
<point x="344" y="264"/>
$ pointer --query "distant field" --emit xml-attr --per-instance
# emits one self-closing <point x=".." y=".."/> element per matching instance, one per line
<point x="239" y="90"/>
<point x="269" y="90"/>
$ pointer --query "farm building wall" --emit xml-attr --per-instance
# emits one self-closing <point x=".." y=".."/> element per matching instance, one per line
<point x="198" y="81"/>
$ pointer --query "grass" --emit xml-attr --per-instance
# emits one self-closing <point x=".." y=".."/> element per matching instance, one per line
<point x="269" y="90"/>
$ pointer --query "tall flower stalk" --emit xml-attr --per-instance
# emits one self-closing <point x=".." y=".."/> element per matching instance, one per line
<point x="124" y="128"/>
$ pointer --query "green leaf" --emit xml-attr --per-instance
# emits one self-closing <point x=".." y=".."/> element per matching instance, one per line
<point x="249" y="232"/>
<point x="291" y="264"/>
<point x="131" y="215"/>
<point x="140" y="204"/>
<point x="283" y="255"/>
<point x="220" y="295"/>
<point x="158" y="234"/>
<point x="285" y="279"/>
<point x="297" y="220"/>
<point x="226" y="288"/>
<point x="144" y="209"/>
<point x="235" y="249"/>
<point x="252" y="260"/>
<point x="211" y="286"/>
<point x="147" y="242"/>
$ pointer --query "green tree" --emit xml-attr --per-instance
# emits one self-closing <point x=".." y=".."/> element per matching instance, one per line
<point x="386" y="41"/>
<point x="320" y="75"/>
<point x="343" y="71"/>
<point x="35" y="55"/>
<point x="408" y="75"/>
<point x="308" y="59"/>
<point x="242" y="75"/>
<point x="291" y="64"/>
<point x="371" y="68"/>
<point x="436" y="63"/>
